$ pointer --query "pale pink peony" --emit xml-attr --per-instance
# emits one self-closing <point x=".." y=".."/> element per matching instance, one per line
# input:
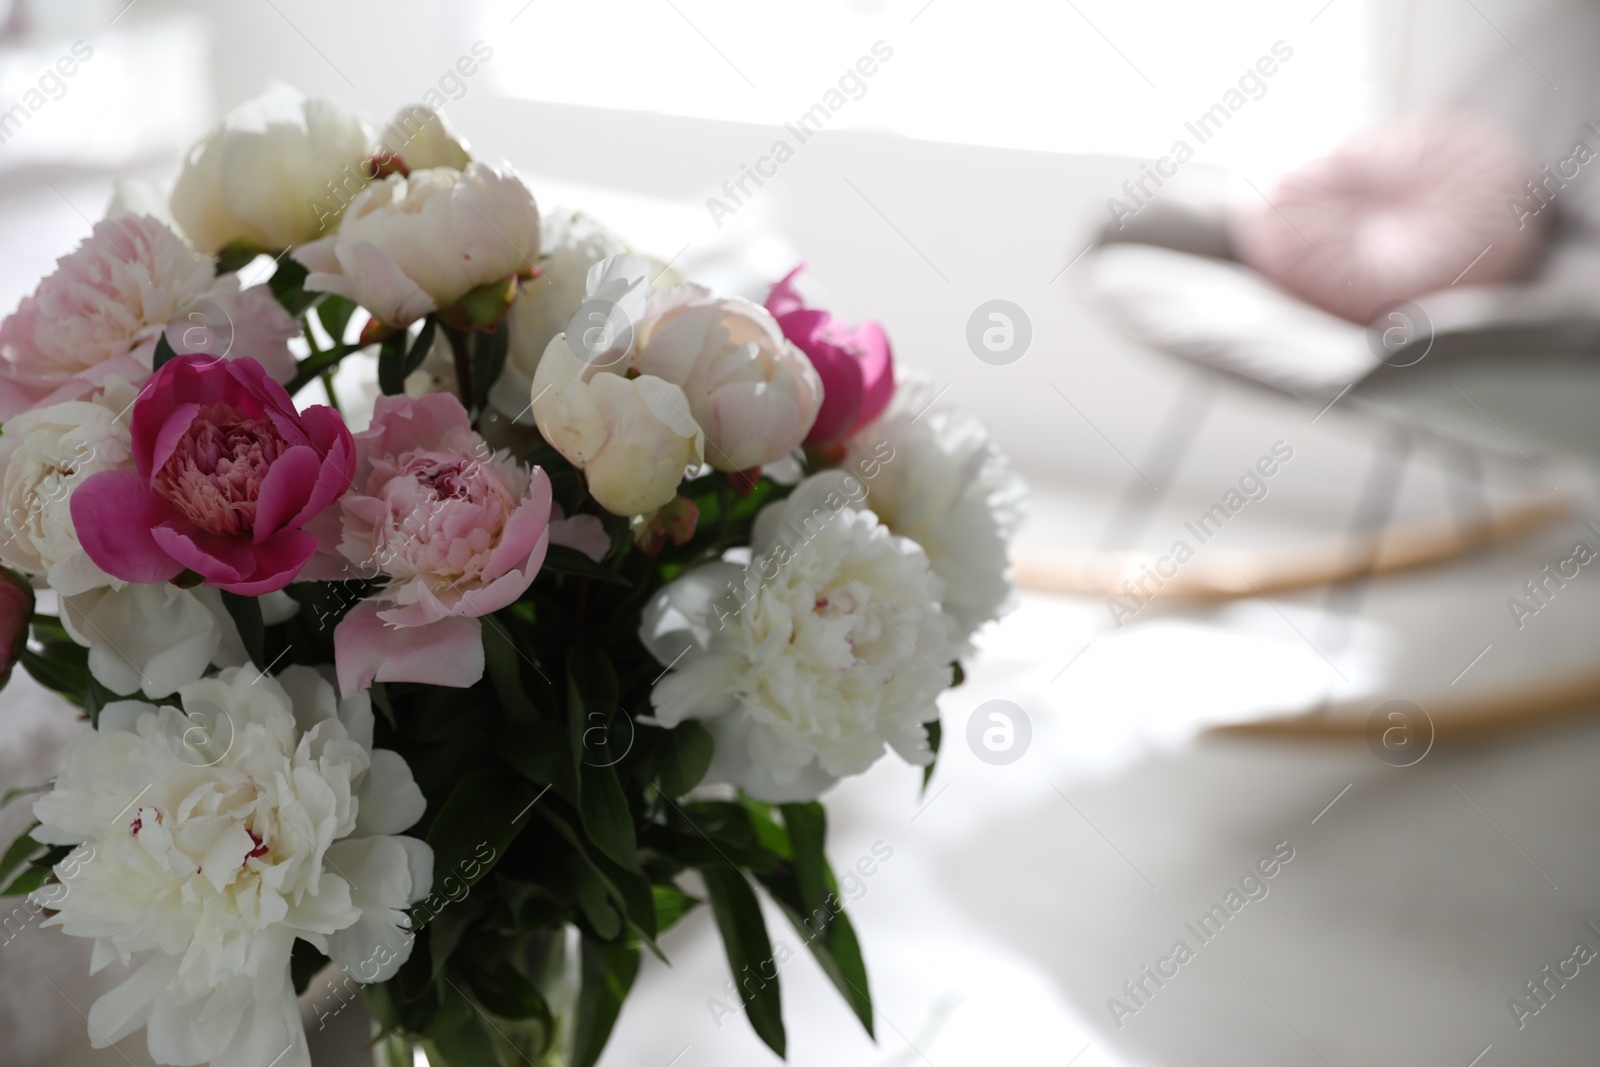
<point x="754" y="394"/>
<point x="227" y="473"/>
<point x="457" y="530"/>
<point x="420" y="242"/>
<point x="102" y="311"/>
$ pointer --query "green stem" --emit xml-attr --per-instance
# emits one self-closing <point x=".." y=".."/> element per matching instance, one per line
<point x="463" y="360"/>
<point x="724" y="508"/>
<point x="327" y="387"/>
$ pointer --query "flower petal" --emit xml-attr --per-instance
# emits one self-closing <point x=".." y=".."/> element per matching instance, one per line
<point x="127" y="1008"/>
<point x="285" y="490"/>
<point x="115" y="515"/>
<point x="448" y="652"/>
<point x="389" y="801"/>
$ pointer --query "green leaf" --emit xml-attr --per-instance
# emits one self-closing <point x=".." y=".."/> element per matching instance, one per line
<point x="935" y="733"/>
<point x="334" y="312"/>
<point x="22" y="791"/>
<point x="632" y="889"/>
<point x="594" y="899"/>
<point x="95" y="698"/>
<point x="476" y="826"/>
<point x="465" y="1044"/>
<point x="607" y="974"/>
<point x="672" y="904"/>
<point x="380" y="700"/>
<point x="538" y="751"/>
<point x="21" y="851"/>
<point x="48" y="631"/>
<point x="420" y="347"/>
<point x="503" y="661"/>
<point x="488" y="359"/>
<point x="391" y="364"/>
<point x="446" y="930"/>
<point x="305" y="961"/>
<point x="592" y="686"/>
<point x="770" y="834"/>
<point x="162" y="354"/>
<point x="808" y="893"/>
<point x="744" y="937"/>
<point x="606" y="818"/>
<point x="58" y="671"/>
<point x="808" y="830"/>
<point x="235" y="255"/>
<point x="563" y="559"/>
<point x="503" y="990"/>
<point x="685" y="755"/>
<point x="627" y="890"/>
<point x="245" y="611"/>
<point x="288" y="285"/>
<point x="40" y="868"/>
<point x="840" y="956"/>
<point x="26" y="882"/>
<point x="380" y="1002"/>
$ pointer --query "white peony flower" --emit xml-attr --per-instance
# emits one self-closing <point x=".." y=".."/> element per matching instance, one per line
<point x="274" y="174"/>
<point x="215" y="836"/>
<point x="572" y="243"/>
<point x="420" y="138"/>
<point x="44" y="454"/>
<point x="804" y="664"/>
<point x="754" y="393"/>
<point x="633" y="437"/>
<point x="937" y="478"/>
<point x="142" y="196"/>
<point x="412" y="244"/>
<point x="156" y="639"/>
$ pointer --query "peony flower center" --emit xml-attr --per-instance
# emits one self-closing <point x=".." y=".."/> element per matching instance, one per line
<point x="446" y="514"/>
<point x="449" y="481"/>
<point x="214" y="476"/>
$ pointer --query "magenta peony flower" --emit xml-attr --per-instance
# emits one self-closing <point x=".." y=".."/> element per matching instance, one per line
<point x="16" y="609"/>
<point x="226" y="474"/>
<point x="102" y="311"/>
<point x="457" y="529"/>
<point x="855" y="364"/>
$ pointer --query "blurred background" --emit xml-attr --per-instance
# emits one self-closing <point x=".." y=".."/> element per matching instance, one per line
<point x="1341" y="345"/>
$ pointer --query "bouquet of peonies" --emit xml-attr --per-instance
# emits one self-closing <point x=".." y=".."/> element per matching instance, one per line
<point x="457" y="605"/>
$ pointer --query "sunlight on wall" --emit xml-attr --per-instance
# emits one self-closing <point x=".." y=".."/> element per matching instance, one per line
<point x="1089" y="76"/>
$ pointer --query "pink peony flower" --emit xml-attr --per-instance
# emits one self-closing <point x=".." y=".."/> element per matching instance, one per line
<point x="16" y="608"/>
<point x="226" y="474"/>
<point x="855" y="364"/>
<point x="457" y="530"/>
<point x="585" y="533"/>
<point x="102" y="311"/>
